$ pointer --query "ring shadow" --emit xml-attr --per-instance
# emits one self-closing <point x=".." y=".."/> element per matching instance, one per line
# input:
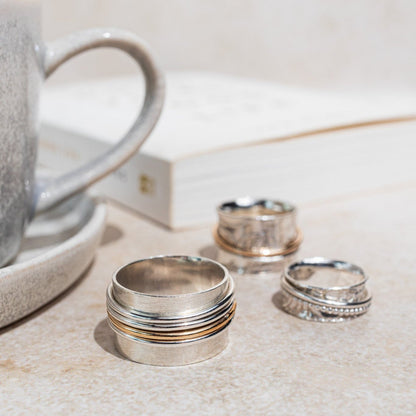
<point x="210" y="252"/>
<point x="241" y="265"/>
<point x="111" y="234"/>
<point x="277" y="300"/>
<point x="106" y="338"/>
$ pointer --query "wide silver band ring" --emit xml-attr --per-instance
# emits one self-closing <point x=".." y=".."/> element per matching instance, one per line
<point x="171" y="301"/>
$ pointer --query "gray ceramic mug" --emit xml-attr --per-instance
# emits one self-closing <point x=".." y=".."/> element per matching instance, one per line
<point x="25" y="61"/>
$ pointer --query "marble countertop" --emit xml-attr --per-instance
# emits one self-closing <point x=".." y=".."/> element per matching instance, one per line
<point x="61" y="360"/>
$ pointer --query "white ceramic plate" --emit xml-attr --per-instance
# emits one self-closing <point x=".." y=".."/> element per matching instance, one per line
<point x="57" y="248"/>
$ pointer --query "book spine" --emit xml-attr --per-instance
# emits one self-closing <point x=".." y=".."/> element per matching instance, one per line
<point x="142" y="183"/>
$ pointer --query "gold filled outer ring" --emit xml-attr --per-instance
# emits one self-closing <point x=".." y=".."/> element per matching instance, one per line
<point x="265" y="252"/>
<point x="179" y="336"/>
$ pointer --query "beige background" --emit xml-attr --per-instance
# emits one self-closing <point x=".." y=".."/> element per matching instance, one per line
<point x="333" y="43"/>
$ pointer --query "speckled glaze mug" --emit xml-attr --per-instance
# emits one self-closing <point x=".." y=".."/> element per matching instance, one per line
<point x="25" y="61"/>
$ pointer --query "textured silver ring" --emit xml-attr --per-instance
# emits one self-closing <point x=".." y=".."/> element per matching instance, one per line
<point x="256" y="233"/>
<point x="171" y="310"/>
<point x="325" y="290"/>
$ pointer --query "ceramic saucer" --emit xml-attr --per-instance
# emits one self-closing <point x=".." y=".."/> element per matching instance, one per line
<point x="57" y="248"/>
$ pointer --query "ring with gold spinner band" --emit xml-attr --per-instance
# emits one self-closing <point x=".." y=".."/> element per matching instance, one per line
<point x="171" y="310"/>
<point x="177" y="336"/>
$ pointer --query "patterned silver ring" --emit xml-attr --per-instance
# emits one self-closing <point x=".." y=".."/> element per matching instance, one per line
<point x="325" y="290"/>
<point x="261" y="231"/>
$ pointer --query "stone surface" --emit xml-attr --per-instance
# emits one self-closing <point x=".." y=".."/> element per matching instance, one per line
<point x="62" y="359"/>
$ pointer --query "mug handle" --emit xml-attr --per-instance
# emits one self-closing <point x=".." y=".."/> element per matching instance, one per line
<point x="50" y="192"/>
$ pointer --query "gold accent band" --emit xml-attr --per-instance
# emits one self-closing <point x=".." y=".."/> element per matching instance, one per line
<point x="290" y="248"/>
<point x="176" y="336"/>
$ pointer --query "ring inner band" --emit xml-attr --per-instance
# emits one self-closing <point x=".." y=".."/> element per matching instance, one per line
<point x="325" y="275"/>
<point x="251" y="208"/>
<point x="170" y="276"/>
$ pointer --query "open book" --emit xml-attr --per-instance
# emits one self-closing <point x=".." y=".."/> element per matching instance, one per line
<point x="221" y="137"/>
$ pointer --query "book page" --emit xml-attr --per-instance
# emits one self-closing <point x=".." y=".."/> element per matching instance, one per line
<point x="206" y="112"/>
